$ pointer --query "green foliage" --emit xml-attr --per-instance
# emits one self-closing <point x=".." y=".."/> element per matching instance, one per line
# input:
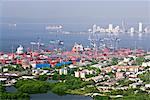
<point x="101" y="98"/>
<point x="2" y="89"/>
<point x="43" y="77"/>
<point x="98" y="70"/>
<point x="135" y="97"/>
<point x="90" y="68"/>
<point x="71" y="83"/>
<point x="17" y="68"/>
<point x="55" y="76"/>
<point x="94" y="62"/>
<point x="72" y="70"/>
<point x="131" y="58"/>
<point x="32" y="86"/>
<point x="46" y="68"/>
<point x="15" y="96"/>
<point x="90" y="75"/>
<point x="124" y="92"/>
<point x="139" y="60"/>
<point x="59" y="89"/>
<point x="145" y="77"/>
<point x="114" y="61"/>
<point x="83" y="90"/>
<point x="90" y="89"/>
<point x="12" y="96"/>
<point x="111" y="74"/>
<point x="124" y="82"/>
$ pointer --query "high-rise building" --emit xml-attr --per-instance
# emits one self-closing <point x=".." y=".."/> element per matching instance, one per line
<point x="123" y="26"/>
<point x="140" y="27"/>
<point x="94" y="28"/>
<point x="132" y="30"/>
<point x="110" y="27"/>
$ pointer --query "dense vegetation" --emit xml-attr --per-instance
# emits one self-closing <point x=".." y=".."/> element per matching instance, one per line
<point x="56" y="76"/>
<point x="131" y="94"/>
<point x="135" y="97"/>
<point x="71" y="83"/>
<point x="16" y="68"/>
<point x="82" y="91"/>
<point x="12" y="96"/>
<point x="145" y="77"/>
<point x="101" y="98"/>
<point x="140" y="60"/>
<point x="43" y="77"/>
<point x="60" y="88"/>
<point x="33" y="86"/>
<point x="114" y="61"/>
<point x="124" y="82"/>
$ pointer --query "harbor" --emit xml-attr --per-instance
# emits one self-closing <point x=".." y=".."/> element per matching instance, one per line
<point x="74" y="50"/>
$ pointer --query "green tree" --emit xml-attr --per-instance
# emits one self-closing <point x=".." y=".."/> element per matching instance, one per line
<point x="139" y="60"/>
<point x="145" y="77"/>
<point x="43" y="77"/>
<point x="59" y="89"/>
<point x="101" y="98"/>
<point x="114" y="61"/>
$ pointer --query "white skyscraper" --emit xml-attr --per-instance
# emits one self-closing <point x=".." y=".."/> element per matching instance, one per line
<point x="132" y="30"/>
<point x="140" y="27"/>
<point x="110" y="27"/>
<point x="94" y="28"/>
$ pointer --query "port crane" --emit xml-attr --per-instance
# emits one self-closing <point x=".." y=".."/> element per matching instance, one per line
<point x="55" y="44"/>
<point x="38" y="44"/>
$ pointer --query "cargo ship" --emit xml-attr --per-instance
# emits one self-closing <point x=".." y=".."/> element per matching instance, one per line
<point x="54" y="27"/>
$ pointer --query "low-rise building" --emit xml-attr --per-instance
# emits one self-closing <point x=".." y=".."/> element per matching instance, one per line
<point x="119" y="75"/>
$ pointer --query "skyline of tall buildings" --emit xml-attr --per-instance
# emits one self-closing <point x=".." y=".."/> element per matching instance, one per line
<point x="111" y="28"/>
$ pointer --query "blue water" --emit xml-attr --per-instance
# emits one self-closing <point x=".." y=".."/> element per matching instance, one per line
<point x="25" y="33"/>
<point x="51" y="96"/>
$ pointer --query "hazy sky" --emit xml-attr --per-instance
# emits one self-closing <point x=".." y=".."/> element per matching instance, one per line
<point x="76" y="11"/>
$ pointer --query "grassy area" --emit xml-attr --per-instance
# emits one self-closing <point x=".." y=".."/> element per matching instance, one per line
<point x="82" y="91"/>
<point x="134" y="97"/>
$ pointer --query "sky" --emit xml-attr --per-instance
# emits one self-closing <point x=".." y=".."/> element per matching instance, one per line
<point x="74" y="11"/>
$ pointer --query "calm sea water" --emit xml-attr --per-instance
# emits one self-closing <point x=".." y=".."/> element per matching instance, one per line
<point x="51" y="96"/>
<point x="23" y="34"/>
